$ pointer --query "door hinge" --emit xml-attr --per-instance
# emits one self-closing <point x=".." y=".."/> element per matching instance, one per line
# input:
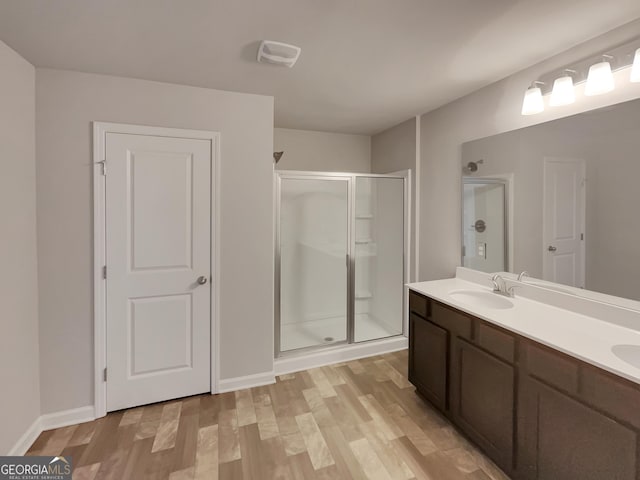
<point x="103" y="164"/>
<point x="582" y="236"/>
<point x="104" y="272"/>
<point x="104" y="375"/>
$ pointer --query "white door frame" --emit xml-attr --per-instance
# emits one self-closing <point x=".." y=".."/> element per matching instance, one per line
<point x="100" y="129"/>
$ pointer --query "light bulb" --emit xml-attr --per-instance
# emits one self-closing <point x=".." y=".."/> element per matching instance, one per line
<point x="563" y="92"/>
<point x="600" y="79"/>
<point x="533" y="102"/>
<point x="635" y="70"/>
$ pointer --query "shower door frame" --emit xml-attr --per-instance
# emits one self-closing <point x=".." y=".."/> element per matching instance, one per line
<point x="279" y="175"/>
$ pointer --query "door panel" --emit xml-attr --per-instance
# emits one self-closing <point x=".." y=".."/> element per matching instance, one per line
<point x="171" y="315"/>
<point x="161" y="182"/>
<point x="483" y="400"/>
<point x="378" y="257"/>
<point x="158" y="224"/>
<point x="314" y="243"/>
<point x="429" y="359"/>
<point x="565" y="439"/>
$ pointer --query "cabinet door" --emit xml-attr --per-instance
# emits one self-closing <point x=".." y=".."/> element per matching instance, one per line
<point x="428" y="360"/>
<point x="482" y="400"/>
<point x="561" y="438"/>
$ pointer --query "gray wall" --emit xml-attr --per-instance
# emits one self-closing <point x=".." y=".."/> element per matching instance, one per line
<point x="67" y="103"/>
<point x="18" y="286"/>
<point x="394" y="150"/>
<point x="491" y="110"/>
<point x="322" y="151"/>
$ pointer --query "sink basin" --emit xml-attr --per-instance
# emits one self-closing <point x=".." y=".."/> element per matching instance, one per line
<point x="481" y="299"/>
<point x="628" y="353"/>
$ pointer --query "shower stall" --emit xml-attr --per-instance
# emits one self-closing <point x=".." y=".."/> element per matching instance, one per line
<point x="340" y="258"/>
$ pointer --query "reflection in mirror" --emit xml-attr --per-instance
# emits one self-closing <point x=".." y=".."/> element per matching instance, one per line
<point x="574" y="197"/>
<point x="484" y="232"/>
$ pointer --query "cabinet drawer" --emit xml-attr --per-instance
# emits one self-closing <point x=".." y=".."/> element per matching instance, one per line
<point x="495" y="341"/>
<point x="553" y="368"/>
<point x="418" y="304"/>
<point x="614" y="396"/>
<point x="451" y="320"/>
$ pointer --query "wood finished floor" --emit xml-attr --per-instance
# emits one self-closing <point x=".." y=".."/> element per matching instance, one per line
<point x="354" y="420"/>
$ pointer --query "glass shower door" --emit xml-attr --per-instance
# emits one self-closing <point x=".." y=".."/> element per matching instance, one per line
<point x="378" y="257"/>
<point x="313" y="247"/>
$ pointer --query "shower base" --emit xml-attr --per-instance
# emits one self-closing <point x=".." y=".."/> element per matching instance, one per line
<point x="327" y="331"/>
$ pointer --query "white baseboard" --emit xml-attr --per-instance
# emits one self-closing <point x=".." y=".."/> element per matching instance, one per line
<point x="290" y="364"/>
<point x="67" y="417"/>
<point x="22" y="445"/>
<point x="248" y="381"/>
<point x="49" y="421"/>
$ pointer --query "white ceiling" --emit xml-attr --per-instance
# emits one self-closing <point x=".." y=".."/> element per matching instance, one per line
<point x="366" y="65"/>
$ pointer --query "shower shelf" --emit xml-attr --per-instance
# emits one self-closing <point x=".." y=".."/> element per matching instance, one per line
<point x="364" y="295"/>
<point x="363" y="241"/>
<point x="364" y="216"/>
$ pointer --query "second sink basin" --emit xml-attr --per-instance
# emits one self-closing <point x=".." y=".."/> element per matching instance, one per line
<point x="628" y="353"/>
<point x="481" y="299"/>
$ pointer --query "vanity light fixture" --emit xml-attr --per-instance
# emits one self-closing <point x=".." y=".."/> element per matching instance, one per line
<point x="595" y="71"/>
<point x="635" y="69"/>
<point x="600" y="79"/>
<point x="533" y="102"/>
<point x="563" y="92"/>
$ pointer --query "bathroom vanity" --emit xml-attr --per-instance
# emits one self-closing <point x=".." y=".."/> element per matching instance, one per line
<point x="535" y="386"/>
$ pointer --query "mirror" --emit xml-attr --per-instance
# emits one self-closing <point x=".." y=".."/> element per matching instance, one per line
<point x="568" y="209"/>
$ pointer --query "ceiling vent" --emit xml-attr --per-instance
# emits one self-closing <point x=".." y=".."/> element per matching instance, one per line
<point x="278" y="53"/>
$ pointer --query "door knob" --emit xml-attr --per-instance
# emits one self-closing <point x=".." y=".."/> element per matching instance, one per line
<point x="552" y="248"/>
<point x="202" y="280"/>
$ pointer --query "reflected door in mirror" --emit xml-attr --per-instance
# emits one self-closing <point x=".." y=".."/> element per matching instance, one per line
<point x="563" y="221"/>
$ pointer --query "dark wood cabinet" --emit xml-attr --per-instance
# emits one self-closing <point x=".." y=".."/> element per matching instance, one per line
<point x="482" y="392"/>
<point x="565" y="439"/>
<point x="428" y="360"/>
<point x="538" y="413"/>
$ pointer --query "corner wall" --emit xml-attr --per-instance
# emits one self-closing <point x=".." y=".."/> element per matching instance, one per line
<point x="67" y="103"/>
<point x="394" y="150"/>
<point x="19" y="375"/>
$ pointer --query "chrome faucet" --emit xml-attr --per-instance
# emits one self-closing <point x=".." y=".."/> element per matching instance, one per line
<point x="523" y="274"/>
<point x="500" y="286"/>
<point x="498" y="283"/>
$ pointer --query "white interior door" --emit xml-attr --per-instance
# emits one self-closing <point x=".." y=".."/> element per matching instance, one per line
<point x="563" y="221"/>
<point x="158" y="249"/>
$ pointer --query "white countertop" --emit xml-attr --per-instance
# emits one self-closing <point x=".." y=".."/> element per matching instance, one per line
<point x="580" y="336"/>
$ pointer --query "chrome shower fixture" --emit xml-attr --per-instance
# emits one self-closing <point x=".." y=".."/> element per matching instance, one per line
<point x="473" y="166"/>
